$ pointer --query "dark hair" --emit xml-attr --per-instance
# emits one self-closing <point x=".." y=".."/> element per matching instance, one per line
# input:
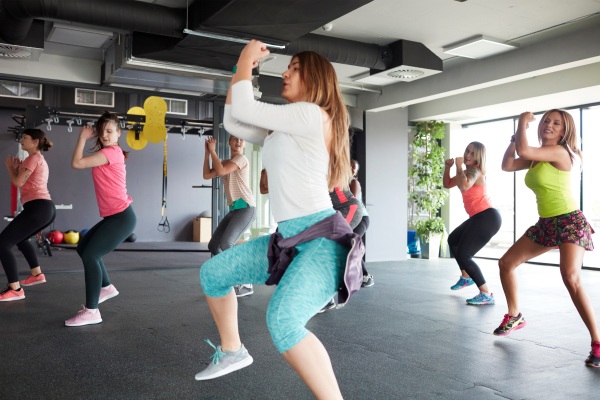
<point x="104" y="119"/>
<point x="37" y="134"/>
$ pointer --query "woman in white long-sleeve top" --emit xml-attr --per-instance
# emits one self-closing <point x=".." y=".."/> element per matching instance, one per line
<point x="304" y="141"/>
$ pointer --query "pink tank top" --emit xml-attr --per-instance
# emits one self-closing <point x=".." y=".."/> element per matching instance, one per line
<point x="476" y="200"/>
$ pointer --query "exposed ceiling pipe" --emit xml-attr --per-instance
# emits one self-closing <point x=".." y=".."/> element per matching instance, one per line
<point x="16" y="16"/>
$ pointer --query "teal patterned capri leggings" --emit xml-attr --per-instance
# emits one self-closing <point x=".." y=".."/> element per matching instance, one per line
<point x="310" y="281"/>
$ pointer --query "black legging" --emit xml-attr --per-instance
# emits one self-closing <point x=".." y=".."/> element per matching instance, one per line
<point x="470" y="237"/>
<point x="360" y="229"/>
<point x="36" y="215"/>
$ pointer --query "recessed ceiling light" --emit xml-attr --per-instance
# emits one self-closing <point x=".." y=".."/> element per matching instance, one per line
<point x="478" y="47"/>
<point x="78" y="36"/>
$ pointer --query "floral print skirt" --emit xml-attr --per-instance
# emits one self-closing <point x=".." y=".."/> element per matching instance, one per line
<point x="566" y="228"/>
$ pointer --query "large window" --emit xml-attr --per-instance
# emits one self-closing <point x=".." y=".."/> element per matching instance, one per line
<point x="507" y="190"/>
<point x="590" y="188"/>
<point x="495" y="136"/>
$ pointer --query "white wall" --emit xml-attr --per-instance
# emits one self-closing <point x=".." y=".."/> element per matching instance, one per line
<point x="387" y="150"/>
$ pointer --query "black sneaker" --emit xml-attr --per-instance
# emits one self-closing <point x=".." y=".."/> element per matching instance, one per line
<point x="510" y="324"/>
<point x="328" y="306"/>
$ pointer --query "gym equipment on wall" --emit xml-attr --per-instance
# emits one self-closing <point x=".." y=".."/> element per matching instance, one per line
<point x="163" y="225"/>
<point x="45" y="117"/>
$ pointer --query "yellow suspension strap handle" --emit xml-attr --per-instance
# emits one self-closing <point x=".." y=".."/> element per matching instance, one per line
<point x="163" y="225"/>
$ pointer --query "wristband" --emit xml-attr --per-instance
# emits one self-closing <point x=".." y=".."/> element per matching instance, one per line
<point x="234" y="69"/>
<point x="512" y="139"/>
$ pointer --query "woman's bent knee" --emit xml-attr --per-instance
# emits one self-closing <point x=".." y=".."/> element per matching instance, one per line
<point x="506" y="265"/>
<point x="209" y="278"/>
<point x="285" y="331"/>
<point x="571" y="281"/>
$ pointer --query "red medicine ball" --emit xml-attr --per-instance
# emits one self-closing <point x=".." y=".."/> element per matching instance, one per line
<point x="55" y="237"/>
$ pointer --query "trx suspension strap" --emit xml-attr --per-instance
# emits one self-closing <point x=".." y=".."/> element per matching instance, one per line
<point x="163" y="225"/>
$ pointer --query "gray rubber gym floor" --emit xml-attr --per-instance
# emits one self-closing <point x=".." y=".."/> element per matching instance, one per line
<point x="407" y="337"/>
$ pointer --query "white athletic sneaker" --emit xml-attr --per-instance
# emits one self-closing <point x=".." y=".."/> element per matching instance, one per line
<point x="224" y="362"/>
<point x="243" y="290"/>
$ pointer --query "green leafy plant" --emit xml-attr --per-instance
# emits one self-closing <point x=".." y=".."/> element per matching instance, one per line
<point x="426" y="227"/>
<point x="426" y="191"/>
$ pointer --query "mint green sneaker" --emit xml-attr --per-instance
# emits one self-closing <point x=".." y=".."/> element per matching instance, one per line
<point x="224" y="362"/>
<point x="482" y="299"/>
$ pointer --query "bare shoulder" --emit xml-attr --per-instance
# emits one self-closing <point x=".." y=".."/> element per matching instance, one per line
<point x="473" y="173"/>
<point x="565" y="162"/>
<point x="325" y="115"/>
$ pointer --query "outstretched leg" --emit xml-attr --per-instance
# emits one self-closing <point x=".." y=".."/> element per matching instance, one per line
<point x="571" y="260"/>
<point x="523" y="250"/>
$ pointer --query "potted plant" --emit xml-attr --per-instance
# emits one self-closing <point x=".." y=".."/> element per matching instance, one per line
<point x="426" y="191"/>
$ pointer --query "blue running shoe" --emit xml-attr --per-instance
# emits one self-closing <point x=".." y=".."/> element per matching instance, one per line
<point x="462" y="282"/>
<point x="482" y="299"/>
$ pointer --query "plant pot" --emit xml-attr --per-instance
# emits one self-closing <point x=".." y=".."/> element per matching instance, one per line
<point x="431" y="249"/>
<point x="412" y="241"/>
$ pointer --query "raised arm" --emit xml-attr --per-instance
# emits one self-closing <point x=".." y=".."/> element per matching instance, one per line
<point x="219" y="168"/>
<point x="294" y="119"/>
<point x="449" y="182"/>
<point x="510" y="162"/>
<point x="532" y="153"/>
<point x="17" y="173"/>
<point x="248" y="132"/>
<point x="302" y="119"/>
<point x="465" y="179"/>
<point x="78" y="161"/>
<point x="251" y="134"/>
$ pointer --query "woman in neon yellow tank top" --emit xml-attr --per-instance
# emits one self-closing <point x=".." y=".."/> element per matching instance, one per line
<point x="561" y="223"/>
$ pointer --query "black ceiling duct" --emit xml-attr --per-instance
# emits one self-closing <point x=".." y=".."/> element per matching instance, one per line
<point x="16" y="16"/>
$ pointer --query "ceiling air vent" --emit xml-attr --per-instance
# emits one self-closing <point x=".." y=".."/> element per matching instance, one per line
<point x="96" y="98"/>
<point x="406" y="74"/>
<point x="24" y="90"/>
<point x="407" y="61"/>
<point x="19" y="52"/>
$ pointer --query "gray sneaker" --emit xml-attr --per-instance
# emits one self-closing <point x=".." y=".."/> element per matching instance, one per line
<point x="327" y="306"/>
<point x="224" y="362"/>
<point x="243" y="290"/>
<point x="367" y="281"/>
